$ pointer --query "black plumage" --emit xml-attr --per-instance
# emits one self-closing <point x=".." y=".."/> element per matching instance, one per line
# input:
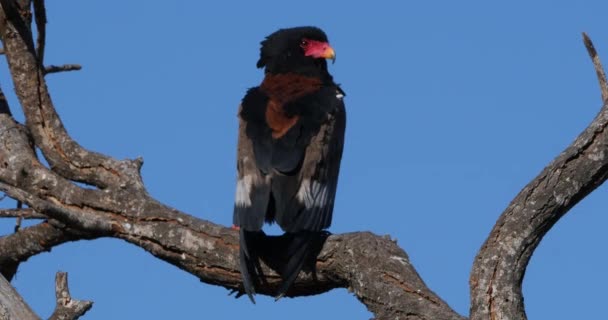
<point x="291" y="134"/>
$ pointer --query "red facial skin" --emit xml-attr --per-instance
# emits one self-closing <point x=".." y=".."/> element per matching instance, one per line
<point x="317" y="49"/>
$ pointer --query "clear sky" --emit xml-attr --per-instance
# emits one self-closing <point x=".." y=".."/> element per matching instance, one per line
<point x="452" y="108"/>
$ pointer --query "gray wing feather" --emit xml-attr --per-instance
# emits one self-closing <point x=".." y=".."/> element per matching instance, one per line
<point x="253" y="189"/>
<point x="312" y="206"/>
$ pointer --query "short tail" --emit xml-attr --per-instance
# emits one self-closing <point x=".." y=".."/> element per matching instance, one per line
<point x="287" y="254"/>
<point x="300" y="248"/>
<point x="251" y="271"/>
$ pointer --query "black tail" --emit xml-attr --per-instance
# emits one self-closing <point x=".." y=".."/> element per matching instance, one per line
<point x="297" y="251"/>
<point x="286" y="254"/>
<point x="300" y="251"/>
<point x="251" y="271"/>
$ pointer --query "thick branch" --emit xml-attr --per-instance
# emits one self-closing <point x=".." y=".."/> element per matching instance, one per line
<point x="67" y="308"/>
<point x="500" y="265"/>
<point x="373" y="267"/>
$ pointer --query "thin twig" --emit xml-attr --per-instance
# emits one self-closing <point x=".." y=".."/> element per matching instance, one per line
<point x="19" y="218"/>
<point x="40" y="17"/>
<point x="597" y="64"/>
<point x="62" y="68"/>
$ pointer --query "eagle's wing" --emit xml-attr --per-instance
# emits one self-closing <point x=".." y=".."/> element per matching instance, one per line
<point x="253" y="163"/>
<point x="304" y="198"/>
<point x="250" y="205"/>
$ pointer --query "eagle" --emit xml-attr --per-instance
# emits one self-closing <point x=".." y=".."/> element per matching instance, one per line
<point x="290" y="142"/>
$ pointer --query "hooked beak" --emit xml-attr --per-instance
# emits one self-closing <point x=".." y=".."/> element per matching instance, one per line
<point x="329" y="53"/>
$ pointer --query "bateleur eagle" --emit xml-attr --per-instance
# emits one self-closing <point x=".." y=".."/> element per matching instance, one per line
<point x="291" y="134"/>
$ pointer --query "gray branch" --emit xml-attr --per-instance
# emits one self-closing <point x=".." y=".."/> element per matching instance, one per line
<point x="373" y="267"/>
<point x="21" y="213"/>
<point x="597" y="64"/>
<point x="20" y="246"/>
<point x="499" y="267"/>
<point x="67" y="308"/>
<point x="12" y="306"/>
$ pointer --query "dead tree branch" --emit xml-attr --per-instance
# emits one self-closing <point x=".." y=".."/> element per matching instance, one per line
<point x="12" y="305"/>
<point x="63" y="154"/>
<point x="20" y="246"/>
<point x="26" y="213"/>
<point x="62" y="68"/>
<point x="499" y="267"/>
<point x="374" y="268"/>
<point x="67" y="308"/>
<point x="597" y="64"/>
<point x="40" y="18"/>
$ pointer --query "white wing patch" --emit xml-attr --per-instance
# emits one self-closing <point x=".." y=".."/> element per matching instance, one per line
<point x="339" y="95"/>
<point x="243" y="191"/>
<point x="312" y="194"/>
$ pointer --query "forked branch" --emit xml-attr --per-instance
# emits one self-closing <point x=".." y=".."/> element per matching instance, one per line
<point x="67" y="308"/>
<point x="374" y="268"/>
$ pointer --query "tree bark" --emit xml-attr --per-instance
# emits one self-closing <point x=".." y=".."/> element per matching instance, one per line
<point x="373" y="267"/>
<point x="12" y="306"/>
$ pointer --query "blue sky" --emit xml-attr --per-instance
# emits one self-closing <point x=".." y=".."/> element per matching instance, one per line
<point x="452" y="108"/>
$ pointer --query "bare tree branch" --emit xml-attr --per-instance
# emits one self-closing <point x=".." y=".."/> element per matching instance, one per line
<point x="500" y="265"/>
<point x="63" y="154"/>
<point x="597" y="64"/>
<point x="30" y="241"/>
<point x="26" y="213"/>
<point x="373" y="267"/>
<point x="12" y="306"/>
<point x="40" y="18"/>
<point x="18" y="222"/>
<point x="67" y="308"/>
<point x="62" y="68"/>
